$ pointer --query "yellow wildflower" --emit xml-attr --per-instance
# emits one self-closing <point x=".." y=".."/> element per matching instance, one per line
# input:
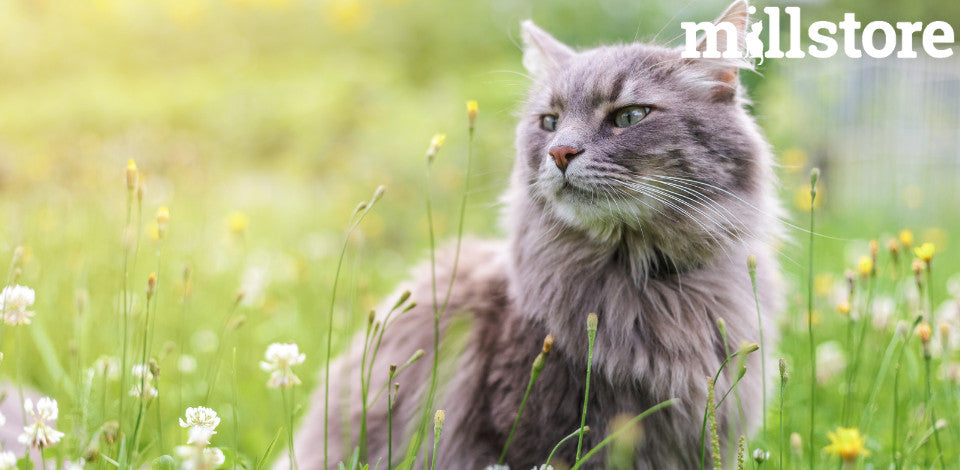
<point x="906" y="237"/>
<point x="238" y="222"/>
<point x="823" y="284"/>
<point x="846" y="443"/>
<point x="924" y="331"/>
<point x="843" y="307"/>
<point x="435" y="143"/>
<point x="131" y="174"/>
<point x="925" y="251"/>
<point x="865" y="266"/>
<point x="794" y="159"/>
<point x="472" y="108"/>
<point x="802" y="199"/>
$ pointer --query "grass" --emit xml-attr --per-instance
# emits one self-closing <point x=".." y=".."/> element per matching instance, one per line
<point x="244" y="129"/>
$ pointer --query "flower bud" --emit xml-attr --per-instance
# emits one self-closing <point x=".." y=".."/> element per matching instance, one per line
<point x="547" y="344"/>
<point x="435" y="143"/>
<point x="378" y="194"/>
<point x="923" y="332"/>
<point x="151" y="285"/>
<point x="472" y="109"/>
<point x="592" y="322"/>
<point x="131" y="174"/>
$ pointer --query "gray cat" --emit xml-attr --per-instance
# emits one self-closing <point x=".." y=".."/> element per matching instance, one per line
<point x="640" y="186"/>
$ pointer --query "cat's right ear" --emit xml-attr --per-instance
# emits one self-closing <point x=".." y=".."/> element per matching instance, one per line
<point x="542" y="53"/>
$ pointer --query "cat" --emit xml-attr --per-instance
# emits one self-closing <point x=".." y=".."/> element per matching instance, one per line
<point x="640" y="187"/>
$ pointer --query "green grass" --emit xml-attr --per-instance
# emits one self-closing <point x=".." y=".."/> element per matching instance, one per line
<point x="292" y="128"/>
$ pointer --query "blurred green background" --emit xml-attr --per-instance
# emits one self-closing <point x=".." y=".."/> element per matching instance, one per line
<point x="262" y="123"/>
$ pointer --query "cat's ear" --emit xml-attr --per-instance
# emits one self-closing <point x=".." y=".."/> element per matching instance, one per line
<point x="542" y="53"/>
<point x="723" y="54"/>
<point x="737" y="15"/>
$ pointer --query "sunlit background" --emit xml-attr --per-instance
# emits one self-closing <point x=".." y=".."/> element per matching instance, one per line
<point x="262" y="123"/>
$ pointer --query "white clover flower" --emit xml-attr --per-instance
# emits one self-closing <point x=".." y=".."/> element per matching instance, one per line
<point x="187" y="364"/>
<point x="202" y="422"/>
<point x="199" y="458"/>
<point x="71" y="465"/>
<point x="760" y="456"/>
<point x="8" y="461"/>
<point x="953" y="286"/>
<point x="200" y="436"/>
<point x="882" y="310"/>
<point x="108" y="366"/>
<point x="39" y="433"/>
<point x="14" y="301"/>
<point x="280" y="358"/>
<point x="830" y="361"/>
<point x="143" y="376"/>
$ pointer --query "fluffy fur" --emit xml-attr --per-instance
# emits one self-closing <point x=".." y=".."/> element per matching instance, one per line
<point x="649" y="227"/>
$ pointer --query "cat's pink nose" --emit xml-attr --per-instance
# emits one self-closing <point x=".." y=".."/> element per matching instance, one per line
<point x="562" y="154"/>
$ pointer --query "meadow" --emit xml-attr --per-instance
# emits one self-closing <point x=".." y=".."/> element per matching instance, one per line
<point x="257" y="126"/>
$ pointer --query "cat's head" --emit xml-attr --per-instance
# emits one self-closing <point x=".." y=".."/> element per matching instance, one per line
<point x="634" y="137"/>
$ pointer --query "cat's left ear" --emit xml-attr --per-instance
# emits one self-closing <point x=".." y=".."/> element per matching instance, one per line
<point x="716" y="58"/>
<point x="542" y="53"/>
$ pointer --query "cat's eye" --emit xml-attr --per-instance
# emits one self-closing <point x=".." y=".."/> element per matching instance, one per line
<point x="548" y="122"/>
<point x="626" y="117"/>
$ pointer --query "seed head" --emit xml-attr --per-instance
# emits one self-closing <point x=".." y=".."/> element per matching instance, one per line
<point x="814" y="178"/>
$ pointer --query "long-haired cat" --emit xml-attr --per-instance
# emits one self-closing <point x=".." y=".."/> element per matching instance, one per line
<point x="639" y="189"/>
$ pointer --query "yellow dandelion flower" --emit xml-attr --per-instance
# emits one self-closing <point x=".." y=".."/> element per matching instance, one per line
<point x="925" y="251"/>
<point x="794" y="159"/>
<point x="131" y="174"/>
<point x="801" y="198"/>
<point x="843" y="307"/>
<point x="823" y="284"/>
<point x="238" y="222"/>
<point x="163" y="215"/>
<point x="846" y="443"/>
<point x="347" y="15"/>
<point x="906" y="237"/>
<point x="472" y="108"/>
<point x="865" y="266"/>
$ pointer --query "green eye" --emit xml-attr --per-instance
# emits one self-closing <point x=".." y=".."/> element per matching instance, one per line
<point x="548" y="122"/>
<point x="626" y="117"/>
